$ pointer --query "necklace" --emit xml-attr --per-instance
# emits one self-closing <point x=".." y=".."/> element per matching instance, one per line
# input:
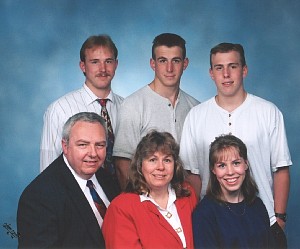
<point x="235" y="213"/>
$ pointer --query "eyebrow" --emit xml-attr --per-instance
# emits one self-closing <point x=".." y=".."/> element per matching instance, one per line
<point x="174" y="58"/>
<point x="81" y="141"/>
<point x="88" y="142"/>
<point x="106" y="59"/>
<point x="222" y="160"/>
<point x="229" y="64"/>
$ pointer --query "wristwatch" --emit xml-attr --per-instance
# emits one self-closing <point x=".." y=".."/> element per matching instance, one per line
<point x="281" y="216"/>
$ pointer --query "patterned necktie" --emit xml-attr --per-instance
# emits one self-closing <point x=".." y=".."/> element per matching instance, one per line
<point x="96" y="198"/>
<point x="108" y="165"/>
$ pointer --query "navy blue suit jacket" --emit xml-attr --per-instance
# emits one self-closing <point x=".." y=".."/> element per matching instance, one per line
<point x="53" y="212"/>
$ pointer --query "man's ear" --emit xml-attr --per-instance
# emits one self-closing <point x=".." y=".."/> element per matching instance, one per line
<point x="245" y="71"/>
<point x="211" y="74"/>
<point x="185" y="63"/>
<point x="82" y="66"/>
<point x="64" y="145"/>
<point x="152" y="64"/>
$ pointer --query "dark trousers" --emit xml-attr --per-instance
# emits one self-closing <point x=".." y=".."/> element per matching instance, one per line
<point x="279" y="236"/>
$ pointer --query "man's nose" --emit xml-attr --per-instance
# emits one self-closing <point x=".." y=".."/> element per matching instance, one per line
<point x="102" y="66"/>
<point x="225" y="72"/>
<point x="92" y="151"/>
<point x="170" y="66"/>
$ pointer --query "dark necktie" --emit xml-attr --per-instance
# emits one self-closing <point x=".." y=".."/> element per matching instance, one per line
<point x="96" y="198"/>
<point x="108" y="165"/>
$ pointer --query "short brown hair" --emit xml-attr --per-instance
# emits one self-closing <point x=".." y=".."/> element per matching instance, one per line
<point x="169" y="40"/>
<point x="98" y="40"/>
<point x="226" y="47"/>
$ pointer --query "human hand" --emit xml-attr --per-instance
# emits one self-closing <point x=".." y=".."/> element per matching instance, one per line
<point x="281" y="223"/>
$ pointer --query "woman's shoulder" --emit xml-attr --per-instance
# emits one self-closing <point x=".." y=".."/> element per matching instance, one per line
<point x="192" y="195"/>
<point x="125" y="199"/>
<point x="258" y="204"/>
<point x="209" y="201"/>
<point x="208" y="204"/>
<point x="188" y="186"/>
<point x="207" y="209"/>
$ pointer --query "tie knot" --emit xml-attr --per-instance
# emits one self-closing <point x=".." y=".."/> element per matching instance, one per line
<point x="102" y="101"/>
<point x="90" y="184"/>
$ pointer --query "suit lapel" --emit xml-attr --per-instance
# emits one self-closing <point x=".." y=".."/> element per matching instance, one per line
<point x="106" y="182"/>
<point x="80" y="203"/>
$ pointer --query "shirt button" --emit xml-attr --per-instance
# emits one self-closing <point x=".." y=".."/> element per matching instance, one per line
<point x="229" y="124"/>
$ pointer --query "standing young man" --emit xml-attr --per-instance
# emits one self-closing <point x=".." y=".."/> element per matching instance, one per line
<point x="257" y="122"/>
<point x="160" y="105"/>
<point x="98" y="62"/>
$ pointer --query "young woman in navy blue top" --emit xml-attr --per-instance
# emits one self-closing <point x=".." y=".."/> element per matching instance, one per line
<point x="231" y="215"/>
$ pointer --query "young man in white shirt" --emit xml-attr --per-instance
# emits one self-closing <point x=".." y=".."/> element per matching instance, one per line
<point x="257" y="122"/>
<point x="98" y="62"/>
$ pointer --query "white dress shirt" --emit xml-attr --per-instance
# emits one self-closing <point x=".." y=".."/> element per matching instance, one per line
<point x="81" y="100"/>
<point x="82" y="184"/>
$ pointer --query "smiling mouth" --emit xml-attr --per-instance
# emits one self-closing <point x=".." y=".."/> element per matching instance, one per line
<point x="227" y="83"/>
<point x="231" y="180"/>
<point x="91" y="162"/>
<point x="159" y="176"/>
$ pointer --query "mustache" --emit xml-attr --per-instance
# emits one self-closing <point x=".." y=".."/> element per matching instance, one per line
<point x="102" y="74"/>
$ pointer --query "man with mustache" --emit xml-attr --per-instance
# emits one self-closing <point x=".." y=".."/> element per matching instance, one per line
<point x="98" y="62"/>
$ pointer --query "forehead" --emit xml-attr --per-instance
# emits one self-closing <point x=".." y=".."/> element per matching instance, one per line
<point x="226" y="58"/>
<point x="82" y="130"/>
<point x="158" y="149"/>
<point x="228" y="153"/>
<point x="99" y="51"/>
<point x="168" y="52"/>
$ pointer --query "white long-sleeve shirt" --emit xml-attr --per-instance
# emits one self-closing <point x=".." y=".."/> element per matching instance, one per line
<point x="81" y="100"/>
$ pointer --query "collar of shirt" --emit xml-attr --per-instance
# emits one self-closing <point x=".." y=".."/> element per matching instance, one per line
<point x="171" y="200"/>
<point x="166" y="99"/>
<point x="81" y="182"/>
<point x="93" y="97"/>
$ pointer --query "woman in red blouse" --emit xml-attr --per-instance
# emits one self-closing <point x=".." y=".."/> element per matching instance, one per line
<point x="155" y="210"/>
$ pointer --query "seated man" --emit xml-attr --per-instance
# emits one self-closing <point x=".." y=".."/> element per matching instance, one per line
<point x="57" y="209"/>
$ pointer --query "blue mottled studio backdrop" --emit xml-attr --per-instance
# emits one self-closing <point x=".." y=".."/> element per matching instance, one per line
<point x="40" y="42"/>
